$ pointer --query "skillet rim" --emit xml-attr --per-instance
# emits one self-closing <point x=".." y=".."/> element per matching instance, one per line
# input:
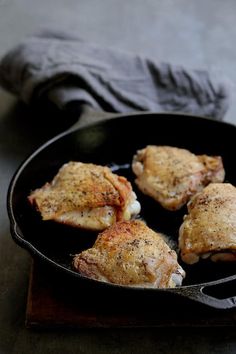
<point x="16" y="233"/>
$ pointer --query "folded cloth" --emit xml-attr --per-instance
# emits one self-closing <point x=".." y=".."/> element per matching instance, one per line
<point x="65" y="69"/>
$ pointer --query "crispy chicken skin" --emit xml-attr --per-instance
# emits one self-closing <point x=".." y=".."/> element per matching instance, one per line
<point x="209" y="230"/>
<point x="172" y="175"/>
<point x="130" y="253"/>
<point x="86" y="196"/>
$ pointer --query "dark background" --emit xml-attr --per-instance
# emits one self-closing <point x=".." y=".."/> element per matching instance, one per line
<point x="197" y="34"/>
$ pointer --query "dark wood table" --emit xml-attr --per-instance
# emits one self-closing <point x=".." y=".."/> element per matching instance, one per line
<point x="55" y="301"/>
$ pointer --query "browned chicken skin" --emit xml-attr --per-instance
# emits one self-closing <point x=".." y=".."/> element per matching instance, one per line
<point x="87" y="196"/>
<point x="172" y="175"/>
<point x="130" y="253"/>
<point x="209" y="230"/>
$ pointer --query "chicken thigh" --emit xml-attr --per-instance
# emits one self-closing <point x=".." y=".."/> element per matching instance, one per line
<point x="172" y="175"/>
<point x="209" y="230"/>
<point x="86" y="196"/>
<point x="130" y="253"/>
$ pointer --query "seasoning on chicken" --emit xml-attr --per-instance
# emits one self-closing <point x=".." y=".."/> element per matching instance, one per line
<point x="209" y="230"/>
<point x="86" y="196"/>
<point x="172" y="175"/>
<point x="130" y="253"/>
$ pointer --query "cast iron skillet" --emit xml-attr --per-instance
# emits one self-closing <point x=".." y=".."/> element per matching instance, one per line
<point x="113" y="143"/>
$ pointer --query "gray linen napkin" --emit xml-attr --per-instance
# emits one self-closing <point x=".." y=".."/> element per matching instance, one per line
<point x="66" y="70"/>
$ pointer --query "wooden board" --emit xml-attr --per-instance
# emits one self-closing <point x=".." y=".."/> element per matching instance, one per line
<point x="55" y="300"/>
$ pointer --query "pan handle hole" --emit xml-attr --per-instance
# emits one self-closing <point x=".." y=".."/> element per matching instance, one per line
<point x="221" y="291"/>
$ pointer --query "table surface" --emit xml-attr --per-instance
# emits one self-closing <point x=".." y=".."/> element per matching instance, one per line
<point x="198" y="34"/>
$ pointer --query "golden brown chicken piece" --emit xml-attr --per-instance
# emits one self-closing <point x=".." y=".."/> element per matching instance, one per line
<point x="86" y="196"/>
<point x="130" y="253"/>
<point x="209" y="230"/>
<point x="171" y="175"/>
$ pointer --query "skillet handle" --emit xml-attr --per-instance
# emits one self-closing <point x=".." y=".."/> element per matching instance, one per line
<point x="219" y="295"/>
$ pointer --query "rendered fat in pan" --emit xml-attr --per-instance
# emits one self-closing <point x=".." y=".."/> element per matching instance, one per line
<point x="113" y="142"/>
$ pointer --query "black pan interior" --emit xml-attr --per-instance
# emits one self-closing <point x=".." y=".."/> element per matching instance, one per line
<point x="113" y="143"/>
